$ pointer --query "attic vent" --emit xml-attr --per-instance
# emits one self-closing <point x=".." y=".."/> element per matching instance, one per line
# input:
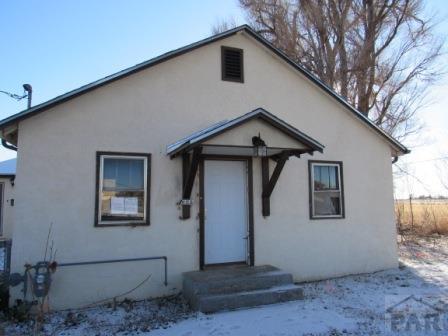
<point x="232" y="64"/>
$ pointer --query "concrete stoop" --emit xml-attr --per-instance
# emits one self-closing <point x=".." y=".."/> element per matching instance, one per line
<point x="237" y="287"/>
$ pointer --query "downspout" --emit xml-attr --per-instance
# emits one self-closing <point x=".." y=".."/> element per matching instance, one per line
<point x="8" y="146"/>
<point x="29" y="90"/>
<point x="395" y="159"/>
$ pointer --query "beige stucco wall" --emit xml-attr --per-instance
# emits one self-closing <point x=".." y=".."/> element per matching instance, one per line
<point x="155" y="107"/>
<point x="8" y="210"/>
<point x="242" y="136"/>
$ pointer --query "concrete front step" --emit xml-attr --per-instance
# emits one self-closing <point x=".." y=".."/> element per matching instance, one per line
<point x="235" y="287"/>
<point x="234" y="279"/>
<point x="214" y="303"/>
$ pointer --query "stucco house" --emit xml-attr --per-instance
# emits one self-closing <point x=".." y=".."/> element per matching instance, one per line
<point x="219" y="153"/>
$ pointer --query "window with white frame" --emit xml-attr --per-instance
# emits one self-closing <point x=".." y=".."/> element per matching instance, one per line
<point x="326" y="189"/>
<point x="122" y="189"/>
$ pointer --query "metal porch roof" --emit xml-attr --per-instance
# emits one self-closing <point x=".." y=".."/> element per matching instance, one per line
<point x="220" y="127"/>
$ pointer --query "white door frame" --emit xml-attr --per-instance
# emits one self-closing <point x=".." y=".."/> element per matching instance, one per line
<point x="250" y="240"/>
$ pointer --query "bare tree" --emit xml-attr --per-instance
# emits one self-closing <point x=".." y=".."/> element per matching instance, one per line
<point x="380" y="55"/>
<point x="442" y="168"/>
<point x="223" y="25"/>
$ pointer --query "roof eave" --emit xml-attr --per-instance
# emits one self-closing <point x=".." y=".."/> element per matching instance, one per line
<point x="116" y="76"/>
<point x="177" y="52"/>
<point x="222" y="127"/>
<point x="329" y="90"/>
<point x="7" y="175"/>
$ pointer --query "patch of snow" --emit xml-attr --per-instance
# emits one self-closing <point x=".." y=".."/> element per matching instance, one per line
<point x="352" y="305"/>
<point x="293" y="318"/>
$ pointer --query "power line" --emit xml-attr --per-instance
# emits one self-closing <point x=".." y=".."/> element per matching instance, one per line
<point x="428" y="160"/>
<point x="13" y="95"/>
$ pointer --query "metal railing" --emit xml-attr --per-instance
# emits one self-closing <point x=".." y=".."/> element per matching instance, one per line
<point x="109" y="261"/>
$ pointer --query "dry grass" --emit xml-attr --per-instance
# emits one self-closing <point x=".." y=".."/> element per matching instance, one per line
<point x="422" y="216"/>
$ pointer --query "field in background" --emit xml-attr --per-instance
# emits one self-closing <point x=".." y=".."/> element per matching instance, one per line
<point x="422" y="216"/>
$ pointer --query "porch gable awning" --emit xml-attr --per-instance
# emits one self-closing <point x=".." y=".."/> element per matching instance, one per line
<point x="309" y="145"/>
<point x="257" y="133"/>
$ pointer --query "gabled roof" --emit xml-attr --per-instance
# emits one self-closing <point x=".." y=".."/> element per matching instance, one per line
<point x="8" y="167"/>
<point x="177" y="52"/>
<point x="218" y="128"/>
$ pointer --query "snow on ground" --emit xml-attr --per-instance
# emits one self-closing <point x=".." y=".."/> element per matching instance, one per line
<point x="352" y="305"/>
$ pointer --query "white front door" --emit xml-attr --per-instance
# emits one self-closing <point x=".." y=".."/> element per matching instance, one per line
<point x="225" y="207"/>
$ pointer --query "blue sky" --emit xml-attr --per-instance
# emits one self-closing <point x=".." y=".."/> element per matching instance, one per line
<point x="60" y="45"/>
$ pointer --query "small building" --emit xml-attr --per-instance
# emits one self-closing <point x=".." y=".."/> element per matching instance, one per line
<point x="222" y="152"/>
<point x="7" y="180"/>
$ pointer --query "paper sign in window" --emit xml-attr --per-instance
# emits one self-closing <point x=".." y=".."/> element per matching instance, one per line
<point x="131" y="205"/>
<point x="117" y="205"/>
<point x="124" y="205"/>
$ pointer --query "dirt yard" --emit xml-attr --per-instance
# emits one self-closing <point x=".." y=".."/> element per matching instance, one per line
<point x="352" y="305"/>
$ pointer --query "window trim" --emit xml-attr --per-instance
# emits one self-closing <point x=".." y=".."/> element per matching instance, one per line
<point x="98" y="186"/>
<point x="223" y="76"/>
<point x="339" y="164"/>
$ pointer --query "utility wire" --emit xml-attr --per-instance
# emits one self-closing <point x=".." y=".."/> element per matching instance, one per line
<point x="14" y="96"/>
<point x="433" y="159"/>
<point x="120" y="295"/>
<point x="408" y="174"/>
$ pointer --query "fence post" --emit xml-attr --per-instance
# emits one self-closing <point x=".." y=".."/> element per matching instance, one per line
<point x="412" y="212"/>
